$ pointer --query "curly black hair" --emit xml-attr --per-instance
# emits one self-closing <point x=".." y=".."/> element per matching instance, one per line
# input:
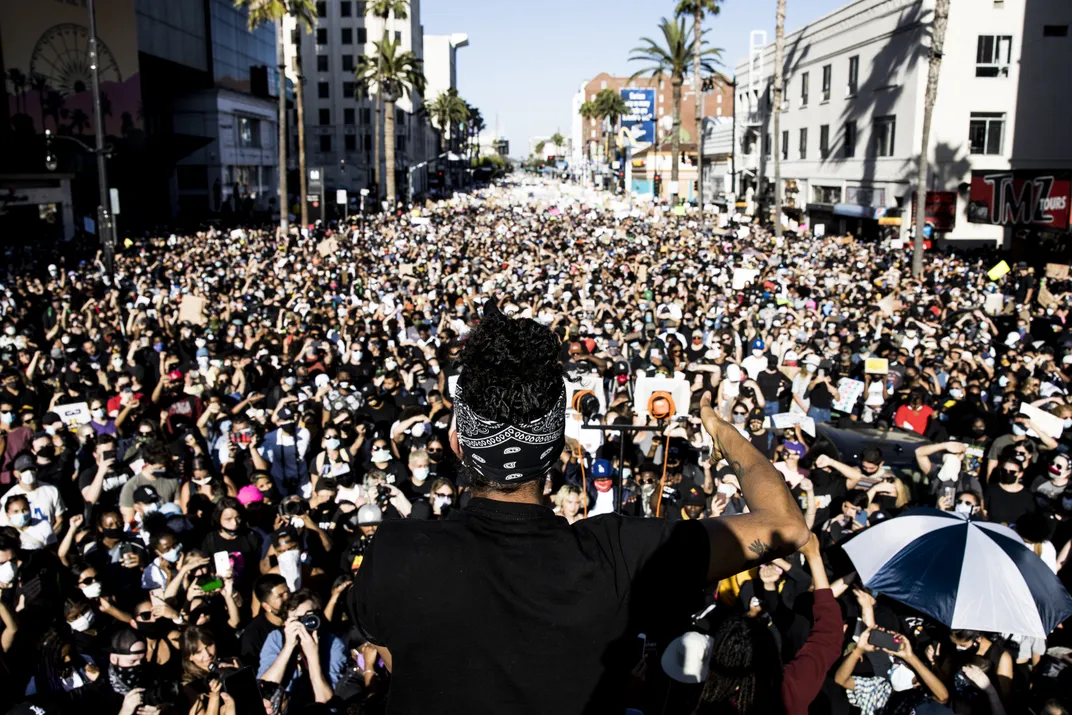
<point x="511" y="369"/>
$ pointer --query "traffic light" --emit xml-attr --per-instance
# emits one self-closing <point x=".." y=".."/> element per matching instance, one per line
<point x="658" y="185"/>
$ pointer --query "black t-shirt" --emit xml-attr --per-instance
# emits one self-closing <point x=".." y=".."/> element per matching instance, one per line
<point x="821" y="397"/>
<point x="113" y="484"/>
<point x="1006" y="507"/>
<point x="769" y="382"/>
<point x="547" y="614"/>
<point x="828" y="486"/>
<point x="253" y="638"/>
<point x="244" y="550"/>
<point x="416" y="492"/>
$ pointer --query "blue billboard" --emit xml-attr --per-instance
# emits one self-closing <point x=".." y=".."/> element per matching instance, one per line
<point x="641" y="105"/>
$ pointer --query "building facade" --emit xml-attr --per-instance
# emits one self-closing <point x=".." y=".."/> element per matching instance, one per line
<point x="343" y="125"/>
<point x="852" y="112"/>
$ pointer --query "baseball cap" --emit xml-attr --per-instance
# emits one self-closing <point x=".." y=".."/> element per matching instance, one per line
<point x="686" y="658"/>
<point x="695" y="497"/>
<point x="602" y="469"/>
<point x="25" y="462"/>
<point x="758" y="344"/>
<point x="368" y="515"/>
<point x="249" y="494"/>
<point x="286" y="414"/>
<point x="124" y="640"/>
<point x="51" y="418"/>
<point x="175" y="374"/>
<point x="146" y="494"/>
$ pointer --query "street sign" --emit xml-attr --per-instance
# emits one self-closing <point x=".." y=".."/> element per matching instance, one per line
<point x="340" y="196"/>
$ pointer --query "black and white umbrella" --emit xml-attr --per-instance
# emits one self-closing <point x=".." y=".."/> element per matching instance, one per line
<point x="964" y="573"/>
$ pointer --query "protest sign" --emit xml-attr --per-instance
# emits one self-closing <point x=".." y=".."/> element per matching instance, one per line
<point x="849" y="391"/>
<point x="998" y="271"/>
<point x="1052" y="425"/>
<point x="1057" y="271"/>
<point x="192" y="310"/>
<point x="886" y="305"/>
<point x="73" y="415"/>
<point x="327" y="247"/>
<point x="994" y="303"/>
<point x="743" y="276"/>
<point x="876" y="366"/>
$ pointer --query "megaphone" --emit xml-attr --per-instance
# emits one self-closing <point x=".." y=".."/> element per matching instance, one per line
<point x="662" y="397"/>
<point x="586" y="403"/>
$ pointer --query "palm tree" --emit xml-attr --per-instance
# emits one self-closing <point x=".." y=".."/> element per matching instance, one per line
<point x="610" y="108"/>
<point x="697" y="8"/>
<point x="447" y="111"/>
<point x="588" y="112"/>
<point x="383" y="9"/>
<point x="79" y="121"/>
<point x="39" y="84"/>
<point x="18" y="83"/>
<point x="558" y="140"/>
<point x="262" y="12"/>
<point x="392" y="74"/>
<point x="674" y="60"/>
<point x="941" y="20"/>
<point x="779" y="59"/>
<point x="538" y="149"/>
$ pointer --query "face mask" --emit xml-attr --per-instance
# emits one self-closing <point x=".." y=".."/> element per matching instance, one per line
<point x="158" y="347"/>
<point x="83" y="622"/>
<point x="332" y="443"/>
<point x="420" y="474"/>
<point x="7" y="573"/>
<point x="962" y="648"/>
<point x="150" y="509"/>
<point x="27" y="477"/>
<point x="159" y="473"/>
<point x="7" y="417"/>
<point x="202" y="482"/>
<point x="290" y="569"/>
<point x="1018" y="430"/>
<point x="56" y="353"/>
<point x="956" y="393"/>
<point x="1003" y="381"/>
<point x="901" y="677"/>
<point x="739" y="419"/>
<point x="20" y="521"/>
<point x="200" y="342"/>
<point x="130" y="677"/>
<point x="810" y="367"/>
<point x="442" y="501"/>
<point x="112" y="533"/>
<point x="98" y="414"/>
<point x="757" y="353"/>
<point x="381" y="455"/>
<point x="10" y="330"/>
<point x="117" y="363"/>
<point x="1007" y="477"/>
<point x="173" y="555"/>
<point x="965" y="509"/>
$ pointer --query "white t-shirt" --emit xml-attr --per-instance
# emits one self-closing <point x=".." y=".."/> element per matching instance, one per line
<point x="754" y="365"/>
<point x="45" y="502"/>
<point x="37" y="536"/>
<point x="604" y="503"/>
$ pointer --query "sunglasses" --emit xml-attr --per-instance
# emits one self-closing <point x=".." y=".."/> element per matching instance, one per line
<point x="435" y="451"/>
<point x="88" y="581"/>
<point x="444" y="494"/>
<point x="144" y="616"/>
<point x="739" y="413"/>
<point x="968" y="503"/>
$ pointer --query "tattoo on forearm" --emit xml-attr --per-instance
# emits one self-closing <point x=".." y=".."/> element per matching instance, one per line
<point x="758" y="548"/>
<point x="734" y="465"/>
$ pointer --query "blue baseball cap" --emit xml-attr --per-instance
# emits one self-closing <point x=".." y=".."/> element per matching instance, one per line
<point x="758" y="344"/>
<point x="602" y="469"/>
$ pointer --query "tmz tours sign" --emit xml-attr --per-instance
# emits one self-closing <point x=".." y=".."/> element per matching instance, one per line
<point x="1021" y="198"/>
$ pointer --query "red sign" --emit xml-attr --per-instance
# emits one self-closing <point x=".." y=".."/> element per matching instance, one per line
<point x="1021" y="198"/>
<point x="940" y="209"/>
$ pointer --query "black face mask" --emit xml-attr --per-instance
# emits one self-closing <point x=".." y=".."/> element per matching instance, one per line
<point x="131" y="677"/>
<point x="112" y="533"/>
<point x="233" y="532"/>
<point x="47" y="452"/>
<point x="1007" y="477"/>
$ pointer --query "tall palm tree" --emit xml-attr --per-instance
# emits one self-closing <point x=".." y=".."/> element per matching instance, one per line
<point x="538" y="149"/>
<point x="610" y="108"/>
<point x="558" y="140"/>
<point x="673" y="59"/>
<point x="779" y="59"/>
<point x="383" y="9"/>
<point x="587" y="111"/>
<point x="447" y="111"/>
<point x="18" y="83"/>
<point x="941" y="20"/>
<point x="39" y="84"/>
<point x="304" y="13"/>
<point x="391" y="73"/>
<point x="697" y="8"/>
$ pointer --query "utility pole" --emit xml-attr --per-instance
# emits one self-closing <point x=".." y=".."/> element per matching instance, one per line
<point x="105" y="226"/>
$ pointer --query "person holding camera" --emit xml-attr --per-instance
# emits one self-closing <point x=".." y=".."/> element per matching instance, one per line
<point x="202" y="688"/>
<point x="305" y="658"/>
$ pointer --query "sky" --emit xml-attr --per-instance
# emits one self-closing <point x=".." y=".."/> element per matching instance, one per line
<point x="526" y="59"/>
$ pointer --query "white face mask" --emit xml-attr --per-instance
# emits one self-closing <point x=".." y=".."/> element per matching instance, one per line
<point x="901" y="677"/>
<point x="332" y="443"/>
<point x="83" y="622"/>
<point x="148" y="509"/>
<point x="7" y="573"/>
<point x="381" y="455"/>
<point x="810" y="367"/>
<point x="290" y="569"/>
<point x="93" y="590"/>
<point x="28" y="477"/>
<point x="173" y="555"/>
<point x="98" y="414"/>
<point x="420" y="474"/>
<point x="965" y="509"/>
<point x="20" y="521"/>
<point x="442" y="501"/>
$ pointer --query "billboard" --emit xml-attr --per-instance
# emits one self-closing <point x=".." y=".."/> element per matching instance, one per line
<point x="940" y="209"/>
<point x="641" y="105"/>
<point x="46" y="66"/>
<point x="1021" y="198"/>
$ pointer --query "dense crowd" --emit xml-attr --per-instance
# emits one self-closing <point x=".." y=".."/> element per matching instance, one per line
<point x="198" y="450"/>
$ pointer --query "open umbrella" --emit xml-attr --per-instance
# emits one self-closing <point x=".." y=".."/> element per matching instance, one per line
<point x="964" y="573"/>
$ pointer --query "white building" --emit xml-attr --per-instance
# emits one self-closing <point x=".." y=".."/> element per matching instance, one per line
<point x="851" y="124"/>
<point x="577" y="126"/>
<point x="340" y="126"/>
<point x="441" y="63"/>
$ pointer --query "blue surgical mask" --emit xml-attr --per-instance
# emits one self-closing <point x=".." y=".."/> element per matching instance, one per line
<point x="173" y="555"/>
<point x="159" y="347"/>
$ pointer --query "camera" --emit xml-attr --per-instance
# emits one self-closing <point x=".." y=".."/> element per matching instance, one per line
<point x="311" y="621"/>
<point x="383" y="496"/>
<point x="293" y="507"/>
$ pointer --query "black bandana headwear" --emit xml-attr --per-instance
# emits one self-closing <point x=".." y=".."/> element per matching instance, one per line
<point x="509" y="453"/>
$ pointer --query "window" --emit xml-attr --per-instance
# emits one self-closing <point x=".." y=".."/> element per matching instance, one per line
<point x="767" y="144"/>
<point x="992" y="55"/>
<point x="321" y="9"/>
<point x="828" y="72"/>
<point x="325" y="142"/>
<point x="986" y="132"/>
<point x="854" y="75"/>
<point x="1055" y="30"/>
<point x="850" y="139"/>
<point x="321" y="36"/>
<point x="824" y="141"/>
<point x="348" y="116"/>
<point x="350" y="141"/>
<point x="345" y="8"/>
<point x="883" y="135"/>
<point x="398" y="35"/>
<point x="400" y="142"/>
<point x="366" y="116"/>
<point x="803" y="142"/>
<point x="325" y="117"/>
<point x="347" y="63"/>
<point x="347" y="35"/>
<point x="321" y="63"/>
<point x="826" y="194"/>
<point x="362" y="36"/>
<point x="249" y="132"/>
<point x="349" y="90"/>
<point x="785" y="145"/>
<point x="322" y="90"/>
<point x="804" y="89"/>
<point x="361" y="8"/>
<point x="368" y="142"/>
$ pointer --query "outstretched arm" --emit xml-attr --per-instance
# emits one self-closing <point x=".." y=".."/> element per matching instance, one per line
<point x="773" y="526"/>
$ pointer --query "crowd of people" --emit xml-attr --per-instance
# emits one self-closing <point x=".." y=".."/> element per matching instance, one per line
<point x="196" y="452"/>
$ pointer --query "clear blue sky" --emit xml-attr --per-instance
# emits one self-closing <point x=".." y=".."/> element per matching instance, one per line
<point x="526" y="59"/>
